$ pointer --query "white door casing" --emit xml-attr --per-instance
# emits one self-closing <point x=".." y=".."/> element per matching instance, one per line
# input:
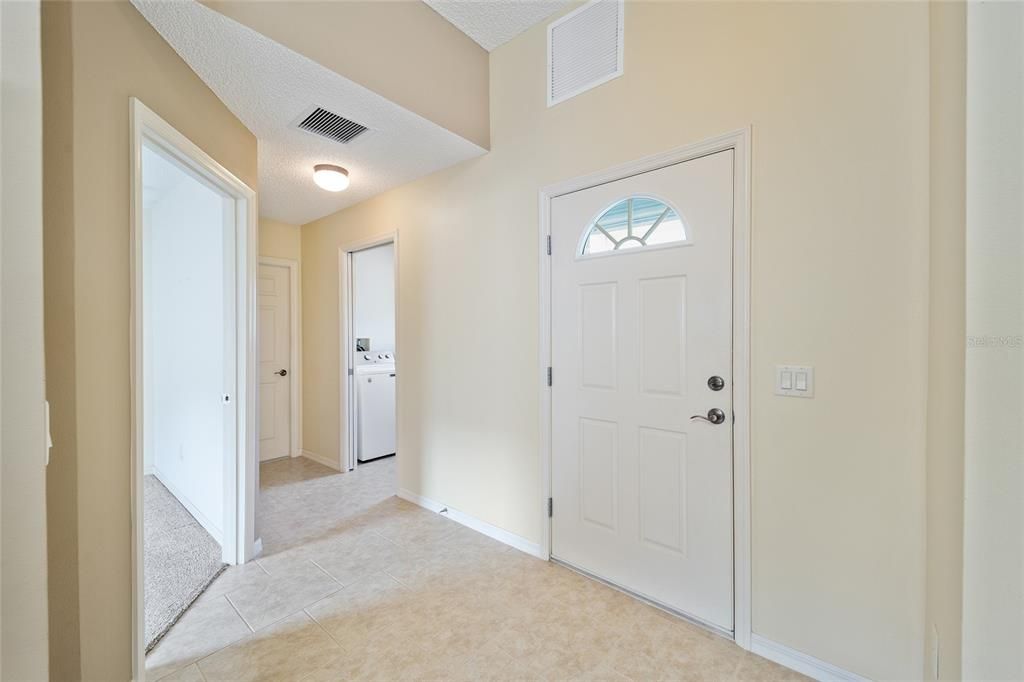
<point x="347" y="431"/>
<point x="240" y="543"/>
<point x="275" y="353"/>
<point x="24" y="636"/>
<point x="643" y="496"/>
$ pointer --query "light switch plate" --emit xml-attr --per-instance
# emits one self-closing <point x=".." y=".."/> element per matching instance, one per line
<point x="794" y="380"/>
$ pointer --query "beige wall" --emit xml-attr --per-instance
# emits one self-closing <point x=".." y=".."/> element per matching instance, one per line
<point x="105" y="53"/>
<point x="59" y="316"/>
<point x="945" y="454"/>
<point x="993" y="613"/>
<point x="280" y="240"/>
<point x="401" y="50"/>
<point x="840" y="281"/>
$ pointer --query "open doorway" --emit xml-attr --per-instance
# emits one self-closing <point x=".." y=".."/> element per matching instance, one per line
<point x="369" y="355"/>
<point x="189" y="360"/>
<point x="193" y="459"/>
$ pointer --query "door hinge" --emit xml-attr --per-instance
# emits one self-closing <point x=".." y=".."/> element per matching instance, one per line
<point x="551" y="507"/>
<point x="351" y="372"/>
<point x="549" y="244"/>
<point x="549" y="376"/>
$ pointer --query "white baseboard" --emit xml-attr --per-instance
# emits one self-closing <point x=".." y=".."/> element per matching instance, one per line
<point x="801" y="662"/>
<point x="257" y="548"/>
<point x="204" y="521"/>
<point x="499" y="534"/>
<point x="309" y="454"/>
<point x="773" y="651"/>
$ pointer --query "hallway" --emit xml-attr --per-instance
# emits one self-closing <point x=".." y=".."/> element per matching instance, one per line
<point x="355" y="583"/>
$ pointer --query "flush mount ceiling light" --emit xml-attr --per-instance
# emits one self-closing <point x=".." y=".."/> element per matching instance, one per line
<point x="330" y="177"/>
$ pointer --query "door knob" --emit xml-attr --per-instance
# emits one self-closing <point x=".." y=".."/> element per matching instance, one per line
<point x="281" y="372"/>
<point x="715" y="416"/>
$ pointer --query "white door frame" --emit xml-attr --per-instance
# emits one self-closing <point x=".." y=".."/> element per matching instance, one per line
<point x="239" y="541"/>
<point x="346" y="341"/>
<point x="295" y="339"/>
<point x="739" y="142"/>
<point x="24" y="632"/>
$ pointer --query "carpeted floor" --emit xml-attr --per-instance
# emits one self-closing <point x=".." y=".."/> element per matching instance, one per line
<point x="181" y="560"/>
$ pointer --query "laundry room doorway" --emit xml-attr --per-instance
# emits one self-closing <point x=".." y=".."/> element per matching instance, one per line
<point x="368" y="285"/>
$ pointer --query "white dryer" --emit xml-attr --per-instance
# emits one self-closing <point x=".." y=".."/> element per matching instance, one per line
<point x="375" y="404"/>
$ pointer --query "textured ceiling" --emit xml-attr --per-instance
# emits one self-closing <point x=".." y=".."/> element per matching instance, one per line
<point x="494" y="22"/>
<point x="269" y="88"/>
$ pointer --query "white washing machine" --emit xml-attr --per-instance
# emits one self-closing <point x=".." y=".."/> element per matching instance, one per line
<point x="375" y="404"/>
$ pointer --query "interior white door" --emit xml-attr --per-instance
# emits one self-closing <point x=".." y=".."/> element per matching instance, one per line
<point x="641" y="286"/>
<point x="275" y="361"/>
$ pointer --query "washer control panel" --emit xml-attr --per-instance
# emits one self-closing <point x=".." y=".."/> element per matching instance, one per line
<point x="377" y="357"/>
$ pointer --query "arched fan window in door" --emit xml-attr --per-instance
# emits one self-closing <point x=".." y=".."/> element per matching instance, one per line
<point x="633" y="223"/>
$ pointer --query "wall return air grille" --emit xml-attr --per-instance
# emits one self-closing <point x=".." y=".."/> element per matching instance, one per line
<point x="330" y="125"/>
<point x="584" y="49"/>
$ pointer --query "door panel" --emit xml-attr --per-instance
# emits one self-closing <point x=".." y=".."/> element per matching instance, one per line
<point x="662" y="351"/>
<point x="275" y="355"/>
<point x="598" y="457"/>
<point x="597" y="335"/>
<point x="642" y="493"/>
<point x="662" y="482"/>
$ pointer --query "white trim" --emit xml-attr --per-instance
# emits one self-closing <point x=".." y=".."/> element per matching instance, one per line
<point x="740" y="142"/>
<point x="346" y="386"/>
<point x="295" y="322"/>
<point x="742" y="596"/>
<point x="240" y="543"/>
<point x="801" y="662"/>
<point x="619" y="59"/>
<point x="499" y="534"/>
<point x="326" y="461"/>
<point x="215" y="531"/>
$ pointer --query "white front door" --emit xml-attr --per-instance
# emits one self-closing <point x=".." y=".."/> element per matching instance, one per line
<point x="641" y="319"/>
<point x="275" y="362"/>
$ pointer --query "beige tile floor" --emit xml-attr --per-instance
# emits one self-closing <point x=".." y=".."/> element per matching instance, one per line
<point x="357" y="584"/>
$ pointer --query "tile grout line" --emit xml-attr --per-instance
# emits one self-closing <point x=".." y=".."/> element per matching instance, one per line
<point x="326" y="631"/>
<point x="340" y="584"/>
<point x="301" y="609"/>
<point x="423" y="540"/>
<point x="397" y="580"/>
<point x="268" y="625"/>
<point x="226" y="646"/>
<point x="259" y="562"/>
<point x="239" y="614"/>
<point x="344" y="650"/>
<point x="325" y="572"/>
<point x="195" y="662"/>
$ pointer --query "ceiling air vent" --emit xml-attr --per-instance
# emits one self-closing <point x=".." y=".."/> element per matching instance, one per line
<point x="584" y="49"/>
<point x="328" y="124"/>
